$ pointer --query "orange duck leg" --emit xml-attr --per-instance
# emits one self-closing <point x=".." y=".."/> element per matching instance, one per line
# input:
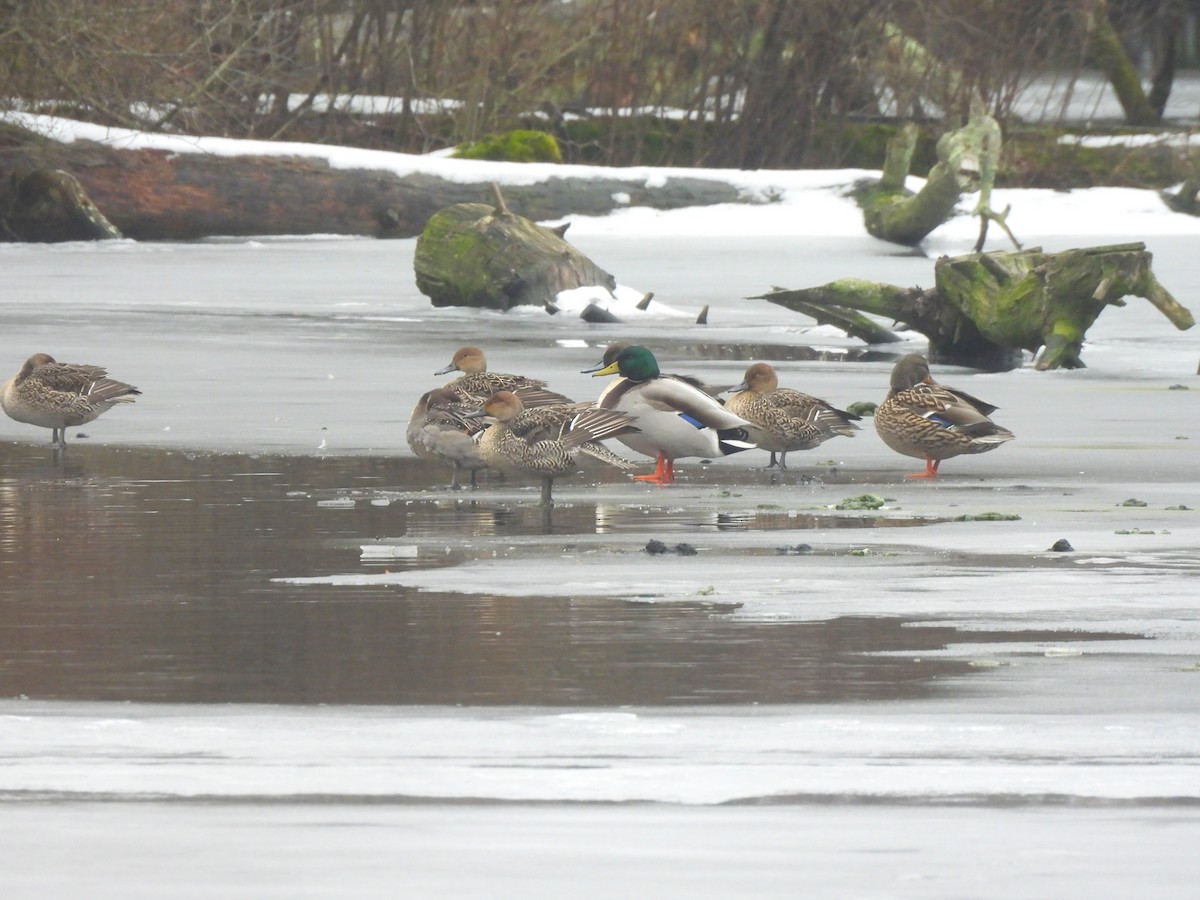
<point x="664" y="472"/>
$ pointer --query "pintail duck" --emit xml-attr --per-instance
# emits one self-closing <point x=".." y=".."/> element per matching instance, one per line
<point x="790" y="420"/>
<point x="441" y="428"/>
<point x="545" y="441"/>
<point x="477" y="383"/>
<point x="59" y="396"/>
<point x="931" y="421"/>
<point x="675" y="418"/>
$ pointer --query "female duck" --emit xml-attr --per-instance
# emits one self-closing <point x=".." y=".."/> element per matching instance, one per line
<point x="931" y="421"/>
<point x="441" y="428"/>
<point x="790" y="420"/>
<point x="545" y="441"/>
<point x="477" y="383"/>
<point x="59" y="396"/>
<point x="675" y="419"/>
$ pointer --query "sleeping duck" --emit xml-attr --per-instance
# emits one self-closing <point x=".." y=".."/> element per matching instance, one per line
<point x="441" y="428"/>
<point x="675" y="419"/>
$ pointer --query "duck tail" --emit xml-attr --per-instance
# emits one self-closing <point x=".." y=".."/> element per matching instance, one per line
<point x="735" y="440"/>
<point x="109" y="390"/>
<point x="602" y="453"/>
<point x="596" y="425"/>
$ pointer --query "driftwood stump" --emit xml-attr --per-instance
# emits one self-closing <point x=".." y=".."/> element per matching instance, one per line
<point x="988" y="307"/>
<point x="472" y="254"/>
<point x="49" y="206"/>
<point x="967" y="160"/>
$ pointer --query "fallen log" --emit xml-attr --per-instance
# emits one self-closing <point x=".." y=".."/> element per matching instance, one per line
<point x="986" y="308"/>
<point x="158" y="195"/>
<point x="472" y="254"/>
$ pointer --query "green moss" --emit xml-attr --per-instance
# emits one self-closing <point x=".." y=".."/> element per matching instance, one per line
<point x="864" y="501"/>
<point x="520" y="145"/>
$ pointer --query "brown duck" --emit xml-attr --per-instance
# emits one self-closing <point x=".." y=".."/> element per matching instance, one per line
<point x="59" y="396"/>
<point x="931" y="421"/>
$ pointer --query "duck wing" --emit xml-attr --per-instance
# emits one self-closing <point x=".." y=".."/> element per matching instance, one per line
<point x="953" y="410"/>
<point x="69" y="377"/>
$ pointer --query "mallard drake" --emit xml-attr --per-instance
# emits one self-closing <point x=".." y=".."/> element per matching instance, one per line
<point x="477" y="383"/>
<point x="790" y="420"/>
<point x="931" y="421"/>
<point x="59" y="396"/>
<point x="613" y="350"/>
<point x="545" y="441"/>
<point x="442" y="428"/>
<point x="675" y="418"/>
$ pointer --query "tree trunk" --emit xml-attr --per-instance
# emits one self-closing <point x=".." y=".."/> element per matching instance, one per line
<point x="472" y="254"/>
<point x="155" y="195"/>
<point x="1122" y="73"/>
<point x="988" y="307"/>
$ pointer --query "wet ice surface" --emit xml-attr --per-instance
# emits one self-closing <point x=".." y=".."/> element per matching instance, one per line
<point x="239" y="613"/>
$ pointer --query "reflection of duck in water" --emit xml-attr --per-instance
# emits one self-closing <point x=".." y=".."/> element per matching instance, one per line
<point x="675" y="419"/>
<point x="59" y="396"/>
<point x="441" y="428"/>
<point x="545" y="441"/>
<point x="931" y="421"/>
<point x="790" y="420"/>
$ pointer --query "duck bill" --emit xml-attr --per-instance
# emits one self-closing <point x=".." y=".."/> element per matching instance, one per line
<point x="445" y="371"/>
<point x="601" y="369"/>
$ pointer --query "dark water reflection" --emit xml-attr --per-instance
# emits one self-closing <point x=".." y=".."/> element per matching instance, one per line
<point x="146" y="575"/>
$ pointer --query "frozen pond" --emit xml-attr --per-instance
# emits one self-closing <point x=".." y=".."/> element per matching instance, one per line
<point x="252" y="647"/>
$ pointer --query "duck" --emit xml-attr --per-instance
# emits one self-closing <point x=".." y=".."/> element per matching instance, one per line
<point x="613" y="350"/>
<point x="675" y="418"/>
<point x="545" y="441"/>
<point x="790" y="419"/>
<point x="441" y="428"/>
<point x="59" y="396"/>
<point x="477" y="383"/>
<point x="932" y="421"/>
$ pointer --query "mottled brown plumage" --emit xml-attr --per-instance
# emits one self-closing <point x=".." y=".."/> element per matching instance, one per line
<point x="59" y="396"/>
<point x="545" y="441"/>
<point x="931" y="421"/>
<point x="789" y="419"/>
<point x="477" y="383"/>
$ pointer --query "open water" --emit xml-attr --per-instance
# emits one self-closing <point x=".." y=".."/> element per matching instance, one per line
<point x="250" y="646"/>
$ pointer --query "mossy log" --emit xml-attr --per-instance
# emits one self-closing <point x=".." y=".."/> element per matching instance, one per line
<point x="472" y="254"/>
<point x="988" y="307"/>
<point x="967" y="161"/>
<point x="893" y="213"/>
<point x="50" y="206"/>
